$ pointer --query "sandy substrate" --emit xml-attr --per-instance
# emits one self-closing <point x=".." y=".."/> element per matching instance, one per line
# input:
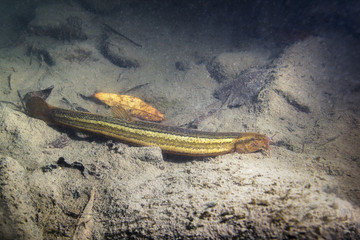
<point x="307" y="188"/>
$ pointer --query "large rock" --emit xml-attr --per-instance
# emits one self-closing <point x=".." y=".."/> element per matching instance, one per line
<point x="60" y="21"/>
<point x="227" y="66"/>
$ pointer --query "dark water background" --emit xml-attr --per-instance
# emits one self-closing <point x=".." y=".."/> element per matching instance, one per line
<point x="278" y="21"/>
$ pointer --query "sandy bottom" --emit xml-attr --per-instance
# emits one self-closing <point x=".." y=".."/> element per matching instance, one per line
<point x="308" y="187"/>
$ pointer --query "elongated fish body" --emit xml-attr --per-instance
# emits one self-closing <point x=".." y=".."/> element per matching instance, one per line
<point x="170" y="139"/>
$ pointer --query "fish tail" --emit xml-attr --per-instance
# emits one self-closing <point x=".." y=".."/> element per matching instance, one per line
<point x="38" y="108"/>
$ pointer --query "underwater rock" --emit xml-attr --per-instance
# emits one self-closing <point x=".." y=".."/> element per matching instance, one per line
<point x="119" y="52"/>
<point x="71" y="30"/>
<point x="228" y="66"/>
<point x="66" y="23"/>
<point x="245" y="88"/>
